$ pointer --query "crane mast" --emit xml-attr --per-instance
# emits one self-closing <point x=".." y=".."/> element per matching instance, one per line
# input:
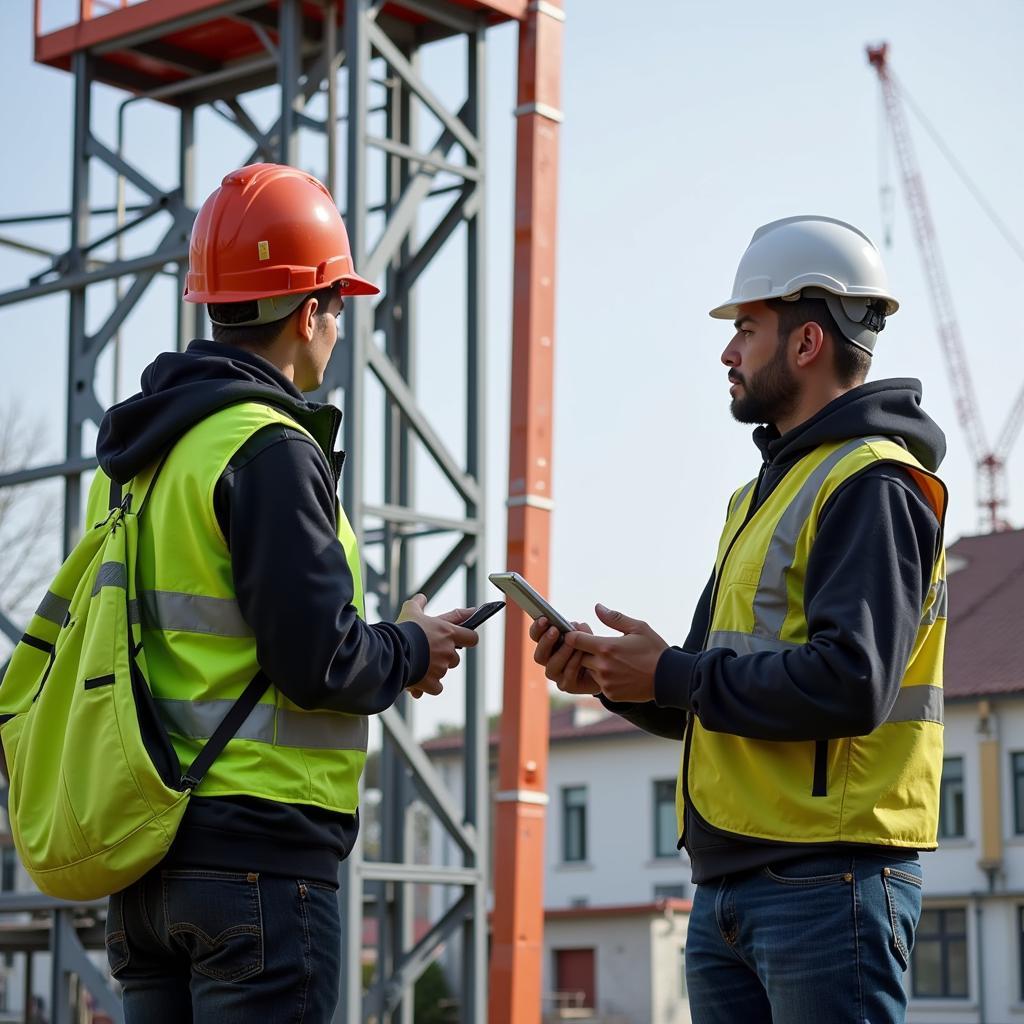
<point x="990" y="462"/>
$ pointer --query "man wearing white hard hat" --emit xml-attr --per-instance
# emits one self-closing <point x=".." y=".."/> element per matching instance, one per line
<point x="808" y="694"/>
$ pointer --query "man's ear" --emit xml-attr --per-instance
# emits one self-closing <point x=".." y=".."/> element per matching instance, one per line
<point x="811" y="344"/>
<point x="306" y="324"/>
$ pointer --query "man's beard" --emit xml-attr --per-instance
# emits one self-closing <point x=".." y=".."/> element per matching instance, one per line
<point x="769" y="395"/>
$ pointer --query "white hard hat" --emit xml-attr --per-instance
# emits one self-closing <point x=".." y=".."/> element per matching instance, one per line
<point x="816" y="257"/>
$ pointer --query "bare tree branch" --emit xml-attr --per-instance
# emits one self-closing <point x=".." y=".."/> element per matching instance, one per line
<point x="29" y="518"/>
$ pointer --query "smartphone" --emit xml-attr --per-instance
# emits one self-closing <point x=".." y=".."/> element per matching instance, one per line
<point x="512" y="584"/>
<point x="482" y="614"/>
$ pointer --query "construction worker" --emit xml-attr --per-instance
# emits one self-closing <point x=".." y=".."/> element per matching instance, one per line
<point x="248" y="564"/>
<point x="808" y="694"/>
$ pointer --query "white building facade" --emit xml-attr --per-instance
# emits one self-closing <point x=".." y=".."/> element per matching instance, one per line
<point x="968" y="963"/>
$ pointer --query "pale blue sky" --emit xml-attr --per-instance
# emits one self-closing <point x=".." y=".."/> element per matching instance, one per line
<point x="687" y="124"/>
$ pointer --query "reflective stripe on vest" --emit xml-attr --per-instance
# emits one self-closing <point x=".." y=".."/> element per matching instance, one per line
<point x="772" y="602"/>
<point x="163" y="609"/>
<point x="917" y="704"/>
<point x="937" y="605"/>
<point x="310" y="730"/>
<point x="193" y="613"/>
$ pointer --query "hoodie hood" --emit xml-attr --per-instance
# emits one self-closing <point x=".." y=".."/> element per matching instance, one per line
<point x="181" y="388"/>
<point x="891" y="408"/>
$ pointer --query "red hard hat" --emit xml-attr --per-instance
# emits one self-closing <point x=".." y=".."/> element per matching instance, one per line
<point x="269" y="230"/>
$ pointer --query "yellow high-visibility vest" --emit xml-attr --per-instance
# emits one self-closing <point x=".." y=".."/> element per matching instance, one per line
<point x="882" y="788"/>
<point x="200" y="652"/>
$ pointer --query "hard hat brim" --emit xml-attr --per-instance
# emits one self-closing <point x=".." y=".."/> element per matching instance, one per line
<point x="730" y="310"/>
<point x="353" y="284"/>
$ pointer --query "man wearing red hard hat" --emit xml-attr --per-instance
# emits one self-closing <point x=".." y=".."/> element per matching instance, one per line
<point x="249" y="565"/>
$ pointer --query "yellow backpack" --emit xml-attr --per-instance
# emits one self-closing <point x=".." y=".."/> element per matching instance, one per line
<point x="96" y="789"/>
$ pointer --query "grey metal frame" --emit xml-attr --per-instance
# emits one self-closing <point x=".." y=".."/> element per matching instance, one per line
<point x="389" y="530"/>
<point x="66" y="931"/>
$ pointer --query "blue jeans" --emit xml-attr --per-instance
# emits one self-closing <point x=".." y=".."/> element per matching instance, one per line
<point x="821" y="938"/>
<point x="219" y="947"/>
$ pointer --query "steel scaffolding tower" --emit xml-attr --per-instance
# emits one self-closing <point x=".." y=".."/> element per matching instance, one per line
<point x="190" y="54"/>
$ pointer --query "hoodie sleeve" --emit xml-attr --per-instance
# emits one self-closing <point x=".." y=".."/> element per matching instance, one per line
<point x="275" y="504"/>
<point x="868" y="575"/>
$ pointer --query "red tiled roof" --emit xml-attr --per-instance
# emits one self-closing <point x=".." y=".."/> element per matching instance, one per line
<point x="984" y="639"/>
<point x="562" y="726"/>
<point x="623" y="910"/>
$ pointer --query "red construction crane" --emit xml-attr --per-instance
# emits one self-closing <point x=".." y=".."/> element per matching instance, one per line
<point x="990" y="462"/>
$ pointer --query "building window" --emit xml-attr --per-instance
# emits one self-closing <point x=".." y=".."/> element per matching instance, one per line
<point x="574" y="823"/>
<point x="1018" y="793"/>
<point x="1020" y="948"/>
<point x="8" y="868"/>
<point x="940" y="955"/>
<point x="673" y="891"/>
<point x="951" y="799"/>
<point x="665" y="835"/>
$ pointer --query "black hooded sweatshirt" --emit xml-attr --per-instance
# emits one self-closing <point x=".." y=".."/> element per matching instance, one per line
<point x="868" y="576"/>
<point x="275" y="503"/>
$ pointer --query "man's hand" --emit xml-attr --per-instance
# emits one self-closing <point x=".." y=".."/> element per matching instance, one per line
<point x="444" y="636"/>
<point x="562" y="665"/>
<point x="621" y="666"/>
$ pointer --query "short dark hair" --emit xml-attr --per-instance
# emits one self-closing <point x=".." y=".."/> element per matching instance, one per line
<point x="232" y="329"/>
<point x="851" y="362"/>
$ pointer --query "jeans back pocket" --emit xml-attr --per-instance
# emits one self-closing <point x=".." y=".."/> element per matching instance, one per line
<point x="217" y="918"/>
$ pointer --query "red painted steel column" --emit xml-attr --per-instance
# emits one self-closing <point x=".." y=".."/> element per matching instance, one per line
<point x="517" y="940"/>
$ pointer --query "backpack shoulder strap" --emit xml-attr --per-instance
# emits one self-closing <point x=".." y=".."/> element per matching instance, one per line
<point x="140" y="486"/>
<point x="229" y="725"/>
